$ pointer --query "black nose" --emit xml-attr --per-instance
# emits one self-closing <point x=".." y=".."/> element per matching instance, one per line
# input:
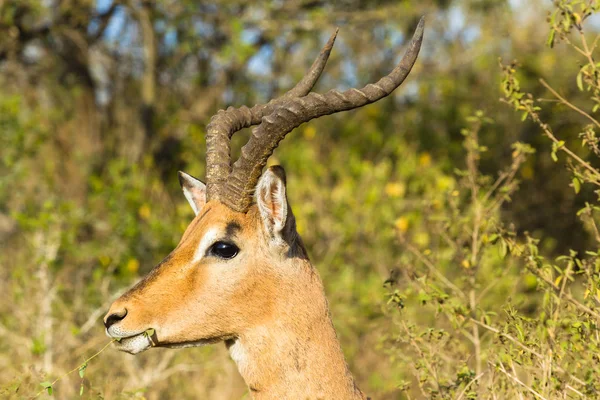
<point x="114" y="318"/>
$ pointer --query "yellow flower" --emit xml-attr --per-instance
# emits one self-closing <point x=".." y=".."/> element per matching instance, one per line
<point x="144" y="211"/>
<point x="395" y="189"/>
<point x="132" y="265"/>
<point x="444" y="183"/>
<point x="401" y="224"/>
<point x="466" y="264"/>
<point x="309" y="132"/>
<point x="424" y="159"/>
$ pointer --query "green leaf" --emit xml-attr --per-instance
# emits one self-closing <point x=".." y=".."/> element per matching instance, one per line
<point x="150" y="332"/>
<point x="550" y="41"/>
<point x="424" y="298"/>
<point x="48" y="386"/>
<point x="82" y="370"/>
<point x="81" y="390"/>
<point x="576" y="185"/>
<point x="580" y="81"/>
<point x="503" y="248"/>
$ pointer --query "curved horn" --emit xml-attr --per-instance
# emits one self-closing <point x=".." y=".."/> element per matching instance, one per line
<point x="290" y="113"/>
<point x="226" y="123"/>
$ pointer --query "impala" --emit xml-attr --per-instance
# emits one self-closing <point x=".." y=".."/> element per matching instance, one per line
<point x="240" y="273"/>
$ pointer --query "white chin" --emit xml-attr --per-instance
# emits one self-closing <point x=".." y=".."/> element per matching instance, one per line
<point x="134" y="344"/>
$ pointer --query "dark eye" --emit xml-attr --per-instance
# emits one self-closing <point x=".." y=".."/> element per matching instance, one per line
<point x="223" y="250"/>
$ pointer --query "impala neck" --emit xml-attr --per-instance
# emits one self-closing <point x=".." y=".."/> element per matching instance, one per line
<point x="295" y="354"/>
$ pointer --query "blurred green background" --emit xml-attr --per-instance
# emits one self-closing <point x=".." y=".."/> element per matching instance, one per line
<point x="102" y="102"/>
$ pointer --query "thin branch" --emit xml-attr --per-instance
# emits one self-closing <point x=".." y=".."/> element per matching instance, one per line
<point x="507" y="336"/>
<point x="586" y="50"/>
<point x="571" y="388"/>
<point x="568" y="103"/>
<point x="567" y="296"/>
<point x="431" y="267"/>
<point x="524" y="347"/>
<point x="104" y="21"/>
<point x="76" y="368"/>
<point x="574" y="46"/>
<point x="464" y="391"/>
<point x="595" y="178"/>
<point x="517" y="380"/>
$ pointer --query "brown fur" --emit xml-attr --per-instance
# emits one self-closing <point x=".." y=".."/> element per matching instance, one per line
<point x="267" y="303"/>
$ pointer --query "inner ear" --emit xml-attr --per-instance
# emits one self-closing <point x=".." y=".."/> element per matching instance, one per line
<point x="271" y="200"/>
<point x="193" y="190"/>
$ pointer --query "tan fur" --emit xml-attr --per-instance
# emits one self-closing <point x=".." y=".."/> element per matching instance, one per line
<point x="267" y="303"/>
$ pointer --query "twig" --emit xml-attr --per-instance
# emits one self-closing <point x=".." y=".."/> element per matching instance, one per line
<point x="427" y="364"/>
<point x="571" y="388"/>
<point x="507" y="336"/>
<point x="548" y="132"/>
<point x="472" y="146"/>
<point x="522" y="346"/>
<point x="586" y="50"/>
<point x="517" y="380"/>
<point x="567" y="296"/>
<point x="568" y="103"/>
<point x="431" y="267"/>
<point x="462" y="393"/>
<point x="75" y="369"/>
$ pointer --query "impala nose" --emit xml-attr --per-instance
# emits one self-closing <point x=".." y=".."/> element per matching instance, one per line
<point x="115" y="317"/>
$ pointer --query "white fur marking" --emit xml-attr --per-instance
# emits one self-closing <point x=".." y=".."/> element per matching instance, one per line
<point x="207" y="240"/>
<point x="238" y="354"/>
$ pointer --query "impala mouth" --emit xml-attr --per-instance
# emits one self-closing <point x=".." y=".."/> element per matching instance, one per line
<point x="133" y="344"/>
<point x="139" y="342"/>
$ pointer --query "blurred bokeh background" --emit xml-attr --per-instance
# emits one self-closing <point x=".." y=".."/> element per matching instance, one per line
<point x="103" y="101"/>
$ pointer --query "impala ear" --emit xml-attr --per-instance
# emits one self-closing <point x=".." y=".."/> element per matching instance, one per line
<point x="272" y="203"/>
<point x="194" y="191"/>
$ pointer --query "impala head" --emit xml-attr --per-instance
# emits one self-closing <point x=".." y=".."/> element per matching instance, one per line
<point x="221" y="278"/>
<point x="238" y="255"/>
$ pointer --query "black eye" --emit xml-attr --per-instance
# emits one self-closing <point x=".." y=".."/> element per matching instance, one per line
<point x="223" y="250"/>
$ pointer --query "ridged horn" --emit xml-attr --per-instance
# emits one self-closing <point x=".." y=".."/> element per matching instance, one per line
<point x="226" y="123"/>
<point x="276" y="119"/>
